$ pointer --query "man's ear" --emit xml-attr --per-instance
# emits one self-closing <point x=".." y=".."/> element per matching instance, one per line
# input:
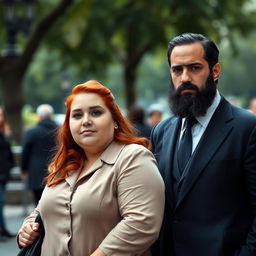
<point x="216" y="71"/>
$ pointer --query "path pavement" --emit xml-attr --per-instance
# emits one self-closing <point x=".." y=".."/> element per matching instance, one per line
<point x="14" y="215"/>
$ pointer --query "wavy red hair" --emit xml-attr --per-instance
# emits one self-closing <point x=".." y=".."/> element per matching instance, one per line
<point x="69" y="156"/>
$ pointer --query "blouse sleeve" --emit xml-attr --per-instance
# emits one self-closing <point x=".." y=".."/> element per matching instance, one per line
<point x="140" y="192"/>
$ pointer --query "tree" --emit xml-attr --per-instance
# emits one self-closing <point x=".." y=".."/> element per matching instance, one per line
<point x="13" y="68"/>
<point x="126" y="30"/>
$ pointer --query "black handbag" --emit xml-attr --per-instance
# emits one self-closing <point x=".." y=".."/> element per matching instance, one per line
<point x="35" y="248"/>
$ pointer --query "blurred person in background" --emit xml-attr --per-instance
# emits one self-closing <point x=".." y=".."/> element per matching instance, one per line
<point x="38" y="146"/>
<point x="136" y="115"/>
<point x="104" y="194"/>
<point x="155" y="114"/>
<point x="6" y="163"/>
<point x="252" y="105"/>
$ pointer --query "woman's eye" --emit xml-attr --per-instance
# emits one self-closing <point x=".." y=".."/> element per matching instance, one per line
<point x="76" y="115"/>
<point x="96" y="113"/>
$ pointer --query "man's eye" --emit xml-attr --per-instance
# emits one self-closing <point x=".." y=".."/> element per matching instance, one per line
<point x="177" y="70"/>
<point x="96" y="113"/>
<point x="195" y="68"/>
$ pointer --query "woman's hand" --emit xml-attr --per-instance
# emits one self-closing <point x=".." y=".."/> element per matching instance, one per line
<point x="28" y="234"/>
<point x="98" y="252"/>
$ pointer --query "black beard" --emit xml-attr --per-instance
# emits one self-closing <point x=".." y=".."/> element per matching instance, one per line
<point x="192" y="105"/>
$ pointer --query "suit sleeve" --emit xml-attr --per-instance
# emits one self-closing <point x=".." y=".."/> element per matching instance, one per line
<point x="250" y="170"/>
<point x="140" y="190"/>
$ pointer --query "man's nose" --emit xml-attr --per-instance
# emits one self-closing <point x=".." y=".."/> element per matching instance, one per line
<point x="185" y="76"/>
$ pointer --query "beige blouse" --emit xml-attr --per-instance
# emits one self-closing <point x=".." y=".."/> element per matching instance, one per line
<point x="117" y="206"/>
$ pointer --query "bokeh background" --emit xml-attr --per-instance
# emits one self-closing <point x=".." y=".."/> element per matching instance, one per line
<point x="48" y="46"/>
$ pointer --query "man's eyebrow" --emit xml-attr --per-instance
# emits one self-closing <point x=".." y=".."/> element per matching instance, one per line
<point x="186" y="65"/>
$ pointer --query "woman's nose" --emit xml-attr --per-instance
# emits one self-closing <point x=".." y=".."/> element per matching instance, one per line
<point x="87" y="120"/>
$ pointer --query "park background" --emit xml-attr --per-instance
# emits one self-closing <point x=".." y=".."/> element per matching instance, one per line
<point x="48" y="46"/>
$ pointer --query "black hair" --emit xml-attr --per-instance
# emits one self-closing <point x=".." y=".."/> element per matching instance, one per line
<point x="136" y="114"/>
<point x="211" y="52"/>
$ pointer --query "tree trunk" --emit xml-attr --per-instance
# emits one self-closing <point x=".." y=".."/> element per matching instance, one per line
<point x="13" y="69"/>
<point x="130" y="79"/>
<point x="13" y="103"/>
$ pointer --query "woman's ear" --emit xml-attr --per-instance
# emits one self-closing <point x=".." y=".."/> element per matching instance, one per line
<point x="216" y="71"/>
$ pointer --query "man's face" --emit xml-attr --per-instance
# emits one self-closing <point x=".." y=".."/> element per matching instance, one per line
<point x="188" y="65"/>
<point x="194" y="85"/>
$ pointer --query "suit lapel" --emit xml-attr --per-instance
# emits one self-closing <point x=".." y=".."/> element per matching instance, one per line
<point x="216" y="132"/>
<point x="170" y="133"/>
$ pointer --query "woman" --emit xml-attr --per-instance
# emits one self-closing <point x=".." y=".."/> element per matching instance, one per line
<point x="6" y="163"/>
<point x="104" y="194"/>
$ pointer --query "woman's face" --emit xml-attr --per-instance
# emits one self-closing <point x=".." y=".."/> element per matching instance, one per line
<point x="91" y="123"/>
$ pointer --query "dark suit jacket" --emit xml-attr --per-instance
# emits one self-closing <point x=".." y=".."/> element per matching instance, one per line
<point x="216" y="207"/>
<point x="6" y="159"/>
<point x="37" y="149"/>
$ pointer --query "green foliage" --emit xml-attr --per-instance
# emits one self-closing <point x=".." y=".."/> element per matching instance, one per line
<point x="99" y="39"/>
<point x="238" y="76"/>
<point x="29" y="116"/>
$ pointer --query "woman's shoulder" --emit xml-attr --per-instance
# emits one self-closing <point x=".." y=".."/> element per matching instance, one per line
<point x="134" y="147"/>
<point x="136" y="150"/>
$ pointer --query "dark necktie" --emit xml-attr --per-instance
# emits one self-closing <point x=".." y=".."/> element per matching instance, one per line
<point x="185" y="145"/>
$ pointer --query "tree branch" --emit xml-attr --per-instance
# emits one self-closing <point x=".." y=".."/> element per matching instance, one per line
<point x="39" y="32"/>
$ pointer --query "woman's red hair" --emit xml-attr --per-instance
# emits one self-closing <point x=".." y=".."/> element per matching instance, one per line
<point x="69" y="156"/>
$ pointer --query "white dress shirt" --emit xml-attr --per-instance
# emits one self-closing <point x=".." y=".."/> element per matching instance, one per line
<point x="202" y="122"/>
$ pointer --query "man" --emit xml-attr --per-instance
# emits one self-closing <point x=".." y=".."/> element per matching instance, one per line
<point x="37" y="149"/>
<point x="136" y="115"/>
<point x="252" y="105"/>
<point x="211" y="197"/>
<point x="154" y="115"/>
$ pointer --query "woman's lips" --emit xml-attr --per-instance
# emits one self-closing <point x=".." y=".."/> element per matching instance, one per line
<point x="87" y="132"/>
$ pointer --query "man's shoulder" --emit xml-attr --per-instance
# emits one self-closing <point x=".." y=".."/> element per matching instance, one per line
<point x="244" y="115"/>
<point x="165" y="123"/>
<point x="159" y="129"/>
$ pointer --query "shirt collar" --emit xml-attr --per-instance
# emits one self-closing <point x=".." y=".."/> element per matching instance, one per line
<point x="112" y="152"/>
<point x="205" y="119"/>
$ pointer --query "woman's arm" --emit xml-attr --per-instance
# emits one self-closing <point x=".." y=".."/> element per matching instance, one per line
<point x="140" y="192"/>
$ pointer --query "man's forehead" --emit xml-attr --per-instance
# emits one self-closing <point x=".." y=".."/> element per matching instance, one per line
<point x="187" y="54"/>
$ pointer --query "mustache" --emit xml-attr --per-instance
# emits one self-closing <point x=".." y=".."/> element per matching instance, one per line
<point x="185" y="86"/>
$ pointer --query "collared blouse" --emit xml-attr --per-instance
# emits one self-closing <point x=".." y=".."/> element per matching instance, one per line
<point x="117" y="206"/>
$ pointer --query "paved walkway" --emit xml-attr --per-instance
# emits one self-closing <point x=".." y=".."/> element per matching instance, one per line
<point x="14" y="215"/>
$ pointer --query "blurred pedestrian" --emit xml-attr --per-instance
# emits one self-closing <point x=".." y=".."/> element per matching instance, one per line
<point x="252" y="105"/>
<point x="104" y="194"/>
<point x="136" y="115"/>
<point x="154" y="114"/>
<point x="6" y="163"/>
<point x="206" y="154"/>
<point x="38" y="147"/>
